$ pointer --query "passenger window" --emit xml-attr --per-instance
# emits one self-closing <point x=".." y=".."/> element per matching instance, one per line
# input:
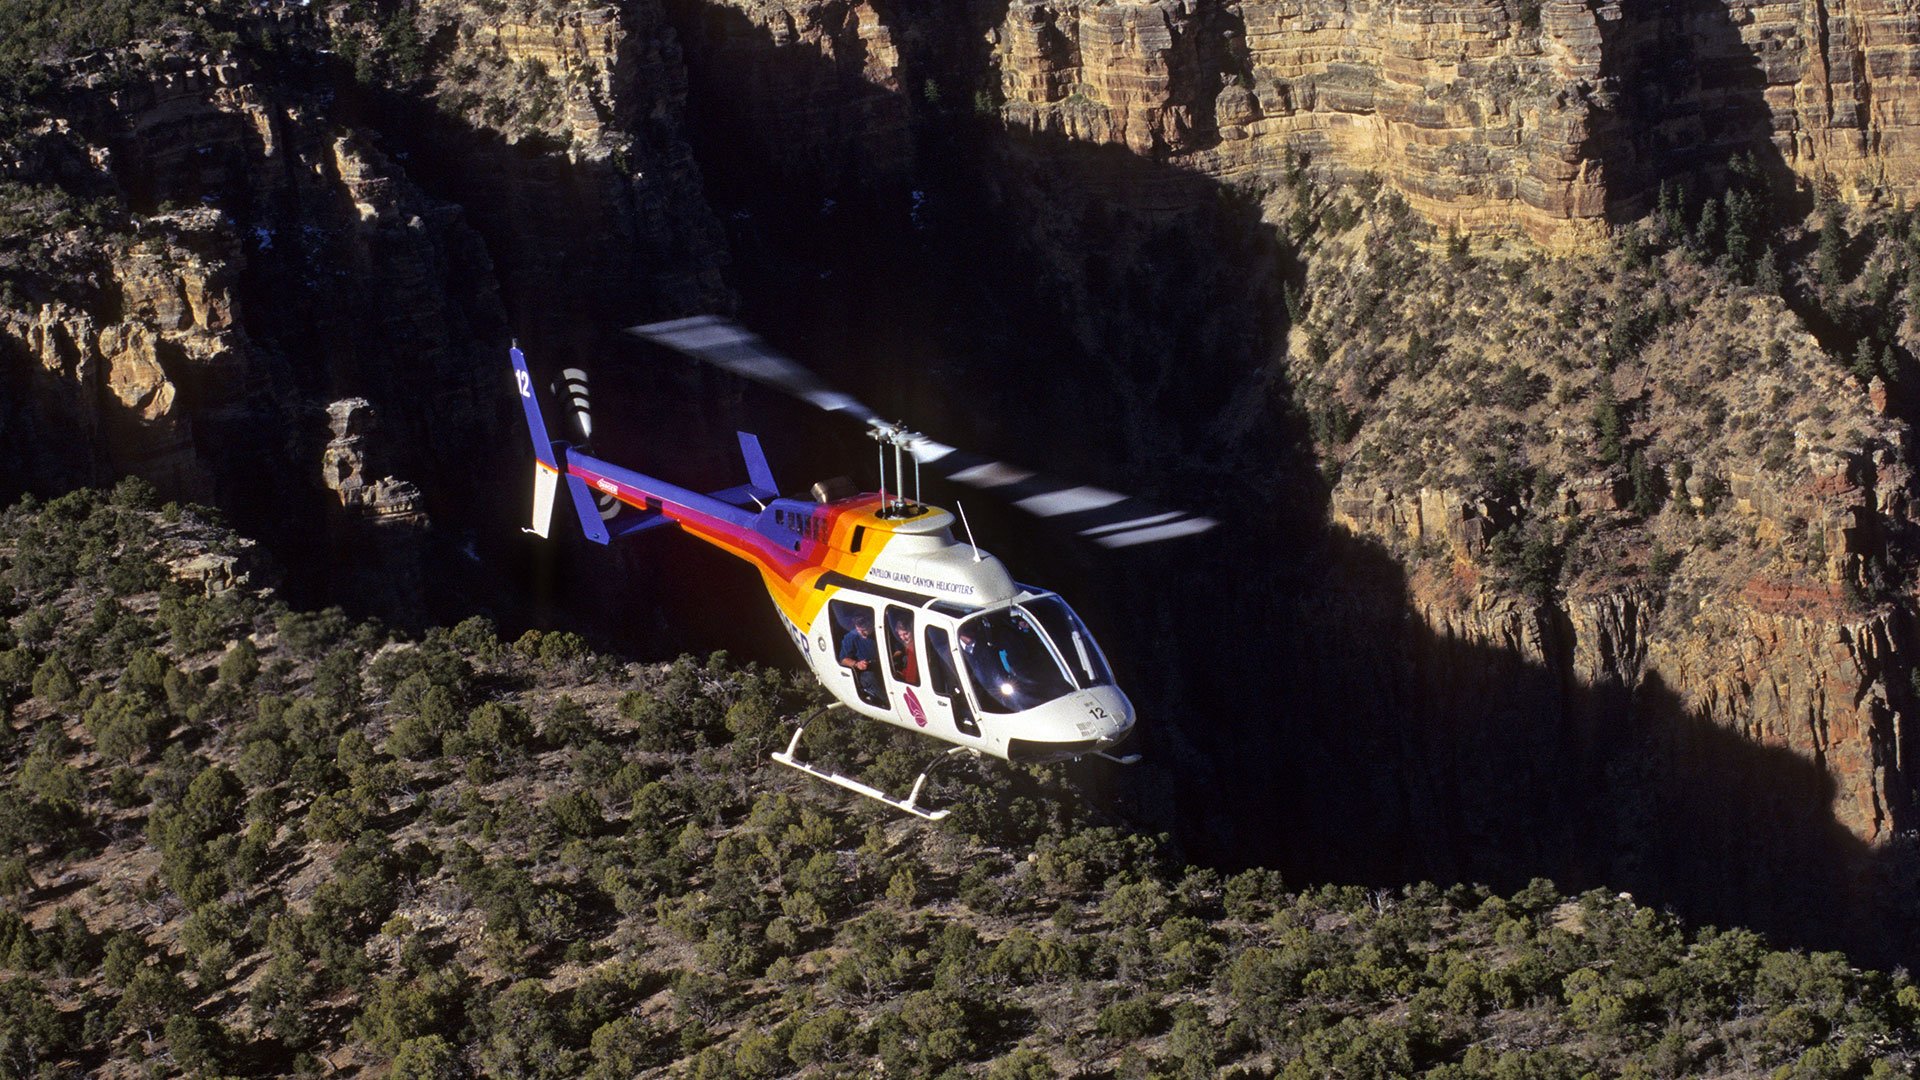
<point x="859" y="653"/>
<point x="859" y="534"/>
<point x="903" y="658"/>
<point x="946" y="681"/>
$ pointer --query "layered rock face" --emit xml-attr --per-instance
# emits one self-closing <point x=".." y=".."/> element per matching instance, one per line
<point x="558" y="129"/>
<point x="307" y="263"/>
<point x="279" y="238"/>
<point x="1477" y="114"/>
<point x="1473" y="117"/>
<point x="1734" y="570"/>
<point x="100" y="397"/>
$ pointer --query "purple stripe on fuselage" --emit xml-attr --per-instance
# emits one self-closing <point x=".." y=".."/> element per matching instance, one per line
<point x="727" y="526"/>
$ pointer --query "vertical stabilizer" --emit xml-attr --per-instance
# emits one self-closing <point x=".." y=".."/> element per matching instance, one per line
<point x="759" y="474"/>
<point x="546" y="483"/>
<point x="536" y="425"/>
<point x="546" y="468"/>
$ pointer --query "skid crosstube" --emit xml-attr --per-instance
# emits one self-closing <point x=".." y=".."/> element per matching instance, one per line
<point x="910" y="804"/>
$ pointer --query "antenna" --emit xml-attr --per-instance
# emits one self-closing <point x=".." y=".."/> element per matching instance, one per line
<point x="969" y="528"/>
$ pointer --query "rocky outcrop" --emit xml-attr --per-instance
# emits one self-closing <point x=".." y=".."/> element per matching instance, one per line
<point x="348" y="464"/>
<point x="257" y="243"/>
<point x="1737" y="575"/>
<point x="111" y="369"/>
<point x="1794" y="669"/>
<point x="816" y="90"/>
<point x="559" y="129"/>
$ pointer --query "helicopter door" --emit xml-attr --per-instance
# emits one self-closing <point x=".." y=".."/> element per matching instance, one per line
<point x="945" y="681"/>
<point x="859" y="652"/>
<point x="903" y="664"/>
<point x="903" y="659"/>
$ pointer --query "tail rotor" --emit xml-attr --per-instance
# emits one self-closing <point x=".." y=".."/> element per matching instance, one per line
<point x="573" y="389"/>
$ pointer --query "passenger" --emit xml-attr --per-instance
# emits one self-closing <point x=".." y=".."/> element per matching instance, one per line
<point x="906" y="662"/>
<point x="859" y="653"/>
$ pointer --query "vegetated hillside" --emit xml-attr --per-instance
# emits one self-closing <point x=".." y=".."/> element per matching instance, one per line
<point x="1666" y="400"/>
<point x="247" y="840"/>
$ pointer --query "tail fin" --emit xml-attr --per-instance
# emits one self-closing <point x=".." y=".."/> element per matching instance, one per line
<point x="759" y="486"/>
<point x="546" y="467"/>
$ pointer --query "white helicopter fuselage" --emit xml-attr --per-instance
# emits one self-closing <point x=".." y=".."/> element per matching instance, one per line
<point x="936" y="637"/>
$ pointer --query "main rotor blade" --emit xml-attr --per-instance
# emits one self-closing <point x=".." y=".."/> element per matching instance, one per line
<point x="731" y="347"/>
<point x="1106" y="517"/>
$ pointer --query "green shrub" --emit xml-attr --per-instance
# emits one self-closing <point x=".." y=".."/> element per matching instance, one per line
<point x="1130" y="1019"/>
<point x="241" y="665"/>
<point x="53" y="682"/>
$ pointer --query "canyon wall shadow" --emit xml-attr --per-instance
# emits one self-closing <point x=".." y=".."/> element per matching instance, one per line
<point x="1690" y="95"/>
<point x="1087" y="310"/>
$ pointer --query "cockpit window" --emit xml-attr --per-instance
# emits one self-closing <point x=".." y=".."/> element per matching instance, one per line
<point x="1006" y="656"/>
<point x="1071" y="638"/>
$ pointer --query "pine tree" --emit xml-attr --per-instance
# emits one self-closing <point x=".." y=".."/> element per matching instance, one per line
<point x="1706" y="235"/>
<point x="1833" y="251"/>
<point x="1865" y="363"/>
<point x="1766" y="272"/>
<point x="1609" y="426"/>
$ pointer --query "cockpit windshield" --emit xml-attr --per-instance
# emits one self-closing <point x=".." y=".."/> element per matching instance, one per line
<point x="1009" y="661"/>
<point x="1071" y="640"/>
<point x="1006" y="656"/>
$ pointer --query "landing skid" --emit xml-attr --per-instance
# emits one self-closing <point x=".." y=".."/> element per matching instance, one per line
<point x="910" y="804"/>
<point x="1127" y="759"/>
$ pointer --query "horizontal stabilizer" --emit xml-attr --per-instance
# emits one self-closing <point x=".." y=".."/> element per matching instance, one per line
<point x="634" y="524"/>
<point x="745" y="496"/>
<point x="599" y="529"/>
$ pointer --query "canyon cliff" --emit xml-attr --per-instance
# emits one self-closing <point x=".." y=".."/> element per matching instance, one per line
<point x="1556" y="117"/>
<point x="1346" y="275"/>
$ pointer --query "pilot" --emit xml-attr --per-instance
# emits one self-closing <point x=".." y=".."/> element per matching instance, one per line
<point x="859" y="654"/>
<point x="984" y="675"/>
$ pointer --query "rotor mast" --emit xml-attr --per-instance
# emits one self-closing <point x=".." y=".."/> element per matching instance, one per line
<point x="897" y="435"/>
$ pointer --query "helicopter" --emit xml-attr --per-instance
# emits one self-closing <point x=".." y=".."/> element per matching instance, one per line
<point x="900" y="619"/>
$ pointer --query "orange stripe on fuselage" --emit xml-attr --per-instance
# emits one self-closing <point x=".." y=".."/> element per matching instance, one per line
<point x="788" y="575"/>
<point x="796" y="595"/>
